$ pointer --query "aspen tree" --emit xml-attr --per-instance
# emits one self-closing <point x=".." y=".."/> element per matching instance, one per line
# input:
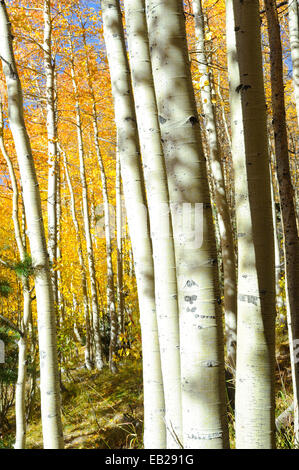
<point x="81" y="263"/>
<point x="255" y="405"/>
<point x="60" y="299"/>
<point x="201" y="335"/>
<point x="286" y="192"/>
<point x="52" y="142"/>
<point x="49" y="384"/>
<point x="159" y="214"/>
<point x="133" y="186"/>
<point x="119" y="243"/>
<point x="110" y="276"/>
<point x="278" y="264"/>
<point x="22" y="343"/>
<point x="223" y="214"/>
<point x="86" y="217"/>
<point x="278" y="292"/>
<point x="293" y="10"/>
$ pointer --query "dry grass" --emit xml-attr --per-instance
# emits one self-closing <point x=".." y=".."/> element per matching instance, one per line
<point x="100" y="410"/>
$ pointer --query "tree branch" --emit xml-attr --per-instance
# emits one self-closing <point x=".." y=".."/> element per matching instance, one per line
<point x="281" y="4"/>
<point x="11" y="325"/>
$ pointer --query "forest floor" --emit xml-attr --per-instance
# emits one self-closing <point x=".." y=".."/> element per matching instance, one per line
<point x="101" y="410"/>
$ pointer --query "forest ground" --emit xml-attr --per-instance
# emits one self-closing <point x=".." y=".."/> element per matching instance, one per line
<point x="105" y="411"/>
<point x="99" y="409"/>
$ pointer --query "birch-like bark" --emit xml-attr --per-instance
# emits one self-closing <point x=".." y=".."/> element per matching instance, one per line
<point x="256" y="284"/>
<point x="159" y="213"/>
<point x="52" y="143"/>
<point x="223" y="114"/>
<point x="276" y="250"/>
<point x="133" y="186"/>
<point x="293" y="10"/>
<point x="23" y="223"/>
<point x="20" y="406"/>
<point x="278" y="264"/>
<point x="60" y="299"/>
<point x="286" y="192"/>
<point x="201" y="335"/>
<point x="223" y="214"/>
<point x="83" y="278"/>
<point x="89" y="246"/>
<point x="119" y="244"/>
<point x="22" y="343"/>
<point x="49" y="384"/>
<point x="110" y="276"/>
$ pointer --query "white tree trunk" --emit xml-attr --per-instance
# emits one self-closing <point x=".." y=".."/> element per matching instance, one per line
<point x="160" y="217"/>
<point x="81" y="263"/>
<point x="278" y="270"/>
<point x="110" y="276"/>
<point x="223" y="214"/>
<point x="255" y="405"/>
<point x="119" y="243"/>
<point x="49" y="384"/>
<point x="201" y="335"/>
<point x="52" y="143"/>
<point x="128" y="150"/>
<point x="20" y="407"/>
<point x="22" y="343"/>
<point x="89" y="245"/>
<point x="60" y="299"/>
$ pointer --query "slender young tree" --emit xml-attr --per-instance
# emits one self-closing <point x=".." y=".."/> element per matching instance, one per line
<point x="119" y="243"/>
<point x="286" y="192"/>
<point x="22" y="343"/>
<point x="49" y="66"/>
<point x="278" y="271"/>
<point x="223" y="213"/>
<point x="201" y="335"/>
<point x="278" y="263"/>
<point x="49" y="384"/>
<point x="83" y="277"/>
<point x="110" y="275"/>
<point x="86" y="217"/>
<point x="159" y="214"/>
<point x="136" y="208"/>
<point x="255" y="427"/>
<point x="58" y="254"/>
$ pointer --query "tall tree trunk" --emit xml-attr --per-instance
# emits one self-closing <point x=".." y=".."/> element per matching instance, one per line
<point x="255" y="405"/>
<point x="201" y="335"/>
<point x="20" y="406"/>
<point x="159" y="214"/>
<point x="278" y="264"/>
<point x="89" y="246"/>
<point x="286" y="192"/>
<point x="128" y="150"/>
<point x="52" y="144"/>
<point x="293" y="10"/>
<point x="22" y="343"/>
<point x="81" y="263"/>
<point x="110" y="277"/>
<point x="223" y="214"/>
<point x="119" y="243"/>
<point x="60" y="299"/>
<point x="49" y="385"/>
